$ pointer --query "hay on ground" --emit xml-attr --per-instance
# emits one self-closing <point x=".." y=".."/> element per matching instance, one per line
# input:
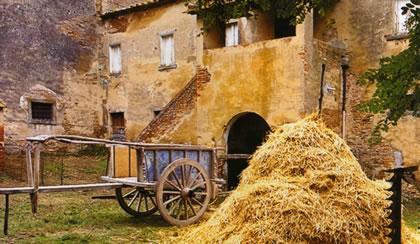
<point x="302" y="185"/>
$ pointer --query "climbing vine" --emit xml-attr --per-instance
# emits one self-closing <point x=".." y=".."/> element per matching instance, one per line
<point x="397" y="79"/>
<point x="219" y="12"/>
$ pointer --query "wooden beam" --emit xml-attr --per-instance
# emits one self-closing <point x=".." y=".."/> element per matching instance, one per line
<point x="130" y="181"/>
<point x="16" y="190"/>
<point x="85" y="187"/>
<point x="29" y="167"/>
<point x="235" y="156"/>
<point x="140" y="166"/>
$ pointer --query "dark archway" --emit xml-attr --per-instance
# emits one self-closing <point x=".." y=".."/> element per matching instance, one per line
<point x="247" y="131"/>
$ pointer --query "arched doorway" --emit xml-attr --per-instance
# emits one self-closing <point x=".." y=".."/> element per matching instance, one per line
<point x="246" y="132"/>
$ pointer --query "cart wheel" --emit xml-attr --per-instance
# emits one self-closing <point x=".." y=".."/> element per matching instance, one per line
<point x="183" y="192"/>
<point x="136" y="201"/>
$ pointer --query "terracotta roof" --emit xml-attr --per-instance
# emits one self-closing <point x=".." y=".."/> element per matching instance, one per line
<point x="141" y="5"/>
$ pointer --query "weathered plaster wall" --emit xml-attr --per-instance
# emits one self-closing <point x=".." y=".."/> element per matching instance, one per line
<point x="361" y="27"/>
<point x="49" y="52"/>
<point x="263" y="77"/>
<point x="141" y="87"/>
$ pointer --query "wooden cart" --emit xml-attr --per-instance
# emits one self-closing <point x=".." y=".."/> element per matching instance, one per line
<point x="177" y="180"/>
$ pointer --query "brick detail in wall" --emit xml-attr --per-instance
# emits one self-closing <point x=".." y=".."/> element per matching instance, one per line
<point x="179" y="106"/>
<point x="373" y="158"/>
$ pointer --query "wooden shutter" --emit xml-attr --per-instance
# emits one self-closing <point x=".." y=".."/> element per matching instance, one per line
<point x="115" y="59"/>
<point x="232" y="34"/>
<point x="167" y="48"/>
<point x="400" y="19"/>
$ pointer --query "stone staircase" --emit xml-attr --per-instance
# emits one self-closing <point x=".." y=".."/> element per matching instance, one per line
<point x="182" y="104"/>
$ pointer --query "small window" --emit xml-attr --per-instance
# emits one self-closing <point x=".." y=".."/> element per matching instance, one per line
<point x="400" y="19"/>
<point x="283" y="28"/>
<point x="117" y="120"/>
<point x="118" y="126"/>
<point x="232" y="34"/>
<point x="156" y="112"/>
<point x="42" y="112"/>
<point x="115" y="59"/>
<point x="167" y="50"/>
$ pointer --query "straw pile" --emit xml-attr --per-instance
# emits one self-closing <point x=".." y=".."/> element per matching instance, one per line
<point x="302" y="185"/>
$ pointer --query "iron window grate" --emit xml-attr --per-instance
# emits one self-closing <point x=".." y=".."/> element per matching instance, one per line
<point x="42" y="111"/>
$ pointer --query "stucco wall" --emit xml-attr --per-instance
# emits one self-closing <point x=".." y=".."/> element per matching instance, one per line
<point x="141" y="87"/>
<point x="263" y="77"/>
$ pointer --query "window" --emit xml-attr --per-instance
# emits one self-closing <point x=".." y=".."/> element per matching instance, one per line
<point x="118" y="126"/>
<point x="283" y="28"/>
<point x="400" y="19"/>
<point x="42" y="112"/>
<point x="157" y="111"/>
<point x="232" y="34"/>
<point x="167" y="50"/>
<point x="115" y="59"/>
<point x="117" y="120"/>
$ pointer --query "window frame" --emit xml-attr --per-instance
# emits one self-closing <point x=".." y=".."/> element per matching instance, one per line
<point x="111" y="58"/>
<point x="163" y="49"/>
<point x="51" y="121"/>
<point x="236" y="38"/>
<point x="400" y="28"/>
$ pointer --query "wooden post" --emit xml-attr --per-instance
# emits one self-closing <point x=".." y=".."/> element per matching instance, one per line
<point x="6" y="215"/>
<point x="155" y="166"/>
<point x="214" y="165"/>
<point x="29" y="169"/>
<point x="34" y="195"/>
<point x="140" y="166"/>
<point x="111" y="162"/>
<point x="129" y="161"/>
<point x="62" y="171"/>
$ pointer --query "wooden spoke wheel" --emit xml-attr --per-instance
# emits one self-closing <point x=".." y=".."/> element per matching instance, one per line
<point x="136" y="201"/>
<point x="183" y="192"/>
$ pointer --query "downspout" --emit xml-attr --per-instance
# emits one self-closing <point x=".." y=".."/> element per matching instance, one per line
<point x="321" y="90"/>
<point x="344" y="68"/>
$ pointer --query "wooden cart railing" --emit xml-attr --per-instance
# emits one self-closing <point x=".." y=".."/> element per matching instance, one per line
<point x="33" y="158"/>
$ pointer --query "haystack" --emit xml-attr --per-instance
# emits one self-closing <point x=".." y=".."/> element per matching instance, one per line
<point x="303" y="185"/>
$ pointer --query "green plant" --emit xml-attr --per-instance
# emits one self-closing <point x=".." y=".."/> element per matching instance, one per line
<point x="397" y="80"/>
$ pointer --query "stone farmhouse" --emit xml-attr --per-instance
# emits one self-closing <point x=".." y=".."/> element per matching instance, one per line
<point x="143" y="70"/>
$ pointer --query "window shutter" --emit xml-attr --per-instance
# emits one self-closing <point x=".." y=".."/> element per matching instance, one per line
<point x="167" y="50"/>
<point x="115" y="59"/>
<point x="400" y="19"/>
<point x="232" y="35"/>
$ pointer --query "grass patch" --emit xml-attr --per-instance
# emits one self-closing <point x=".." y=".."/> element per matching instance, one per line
<point x="411" y="214"/>
<point x="77" y="218"/>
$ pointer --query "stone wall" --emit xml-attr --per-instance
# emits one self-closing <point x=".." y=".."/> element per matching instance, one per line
<point x="49" y="52"/>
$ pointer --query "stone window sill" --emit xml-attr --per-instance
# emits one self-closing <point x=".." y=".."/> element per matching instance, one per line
<point x="116" y="75"/>
<point x="42" y="122"/>
<point x="397" y="36"/>
<point x="167" y="67"/>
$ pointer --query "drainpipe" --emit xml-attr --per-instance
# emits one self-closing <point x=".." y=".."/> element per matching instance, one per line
<point x="321" y="90"/>
<point x="344" y="68"/>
